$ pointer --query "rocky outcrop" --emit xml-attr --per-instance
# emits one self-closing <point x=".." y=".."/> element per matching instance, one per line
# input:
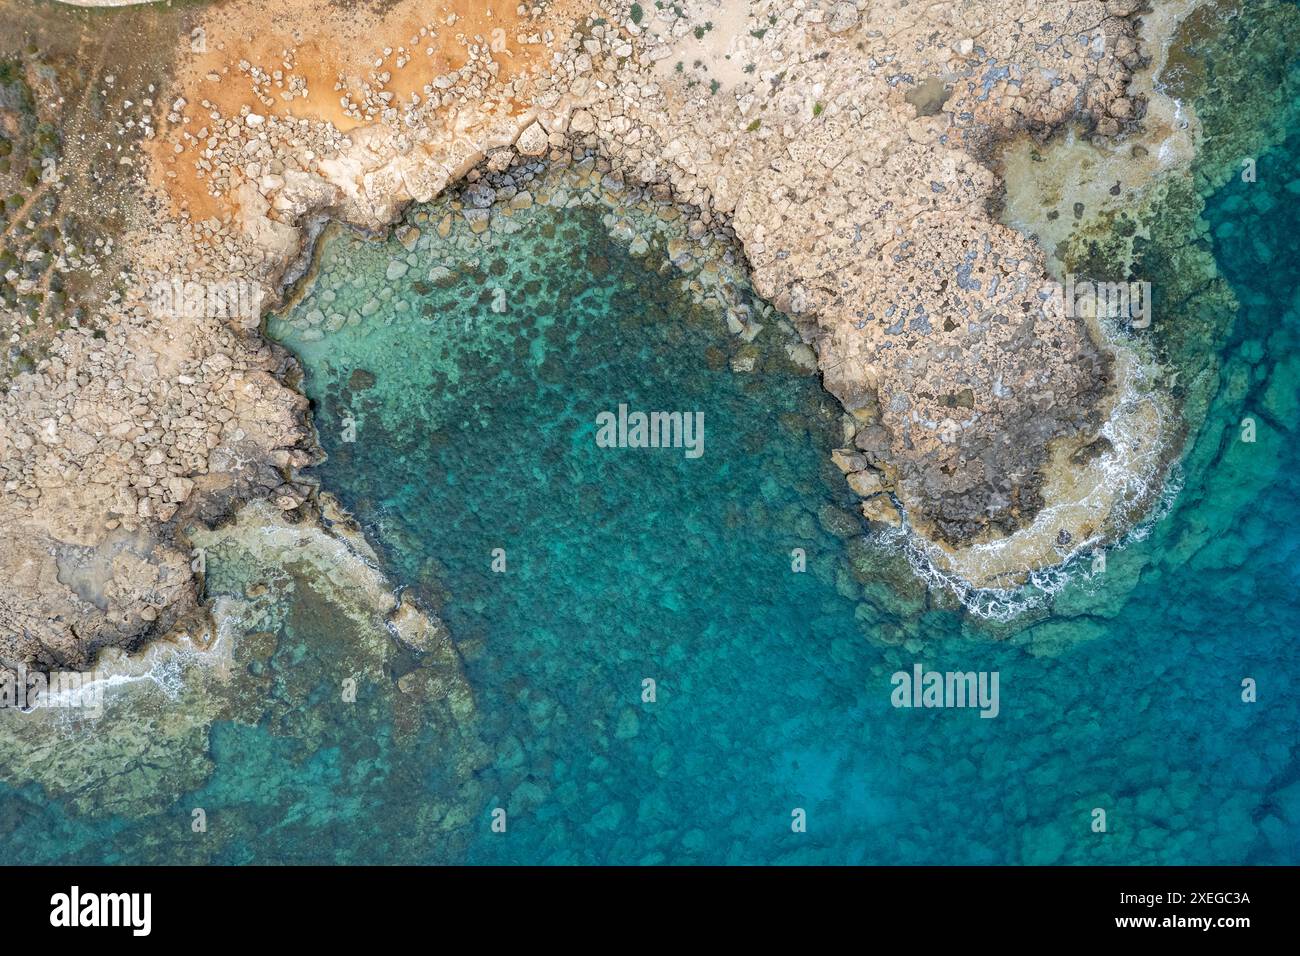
<point x="103" y="448"/>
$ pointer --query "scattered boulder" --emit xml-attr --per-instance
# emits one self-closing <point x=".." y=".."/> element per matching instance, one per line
<point x="533" y="141"/>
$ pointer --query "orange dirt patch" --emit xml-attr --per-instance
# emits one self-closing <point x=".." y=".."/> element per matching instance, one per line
<point x="324" y="45"/>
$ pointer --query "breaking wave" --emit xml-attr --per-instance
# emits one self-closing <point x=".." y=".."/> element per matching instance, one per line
<point x="1136" y="488"/>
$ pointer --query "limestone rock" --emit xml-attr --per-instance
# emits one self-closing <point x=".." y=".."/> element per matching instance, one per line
<point x="533" y="141"/>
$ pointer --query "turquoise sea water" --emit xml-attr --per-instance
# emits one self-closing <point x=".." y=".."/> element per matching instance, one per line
<point x="474" y="431"/>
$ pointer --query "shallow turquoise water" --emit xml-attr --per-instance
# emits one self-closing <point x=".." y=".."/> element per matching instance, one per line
<point x="772" y="687"/>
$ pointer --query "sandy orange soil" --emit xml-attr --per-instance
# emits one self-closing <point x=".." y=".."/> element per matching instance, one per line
<point x="331" y="52"/>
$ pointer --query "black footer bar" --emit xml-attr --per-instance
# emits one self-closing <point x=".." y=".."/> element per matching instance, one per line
<point x="351" y="905"/>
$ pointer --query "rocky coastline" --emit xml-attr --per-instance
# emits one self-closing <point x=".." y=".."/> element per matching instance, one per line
<point x="849" y="149"/>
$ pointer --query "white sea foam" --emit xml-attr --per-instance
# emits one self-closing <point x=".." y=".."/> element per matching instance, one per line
<point x="1132" y="478"/>
<point x="164" y="666"/>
